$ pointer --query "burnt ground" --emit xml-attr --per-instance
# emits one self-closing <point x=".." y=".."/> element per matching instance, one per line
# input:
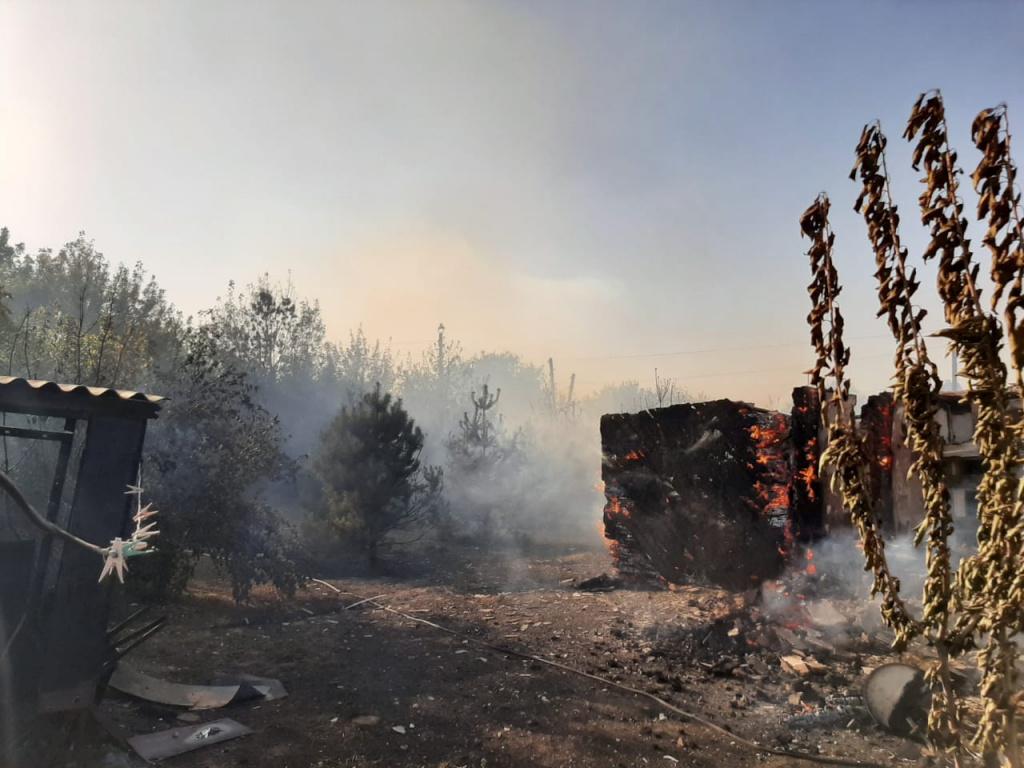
<point x="354" y="676"/>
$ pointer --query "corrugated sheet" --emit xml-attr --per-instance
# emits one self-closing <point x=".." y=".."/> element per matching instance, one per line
<point x="79" y="390"/>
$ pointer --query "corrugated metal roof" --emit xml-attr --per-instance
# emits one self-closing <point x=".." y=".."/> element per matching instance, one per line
<point x="80" y="389"/>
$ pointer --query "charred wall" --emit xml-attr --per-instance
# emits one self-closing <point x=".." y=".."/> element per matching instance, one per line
<point x="697" y="492"/>
<point x="806" y="508"/>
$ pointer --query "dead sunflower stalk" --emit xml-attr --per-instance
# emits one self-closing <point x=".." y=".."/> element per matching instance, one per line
<point x="846" y="453"/>
<point x="916" y="387"/>
<point x="985" y="580"/>
<point x="995" y="574"/>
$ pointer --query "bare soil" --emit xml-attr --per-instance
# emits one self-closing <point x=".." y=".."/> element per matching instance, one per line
<point x="369" y="687"/>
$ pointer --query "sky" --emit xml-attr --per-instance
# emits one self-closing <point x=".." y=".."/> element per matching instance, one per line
<point x="614" y="185"/>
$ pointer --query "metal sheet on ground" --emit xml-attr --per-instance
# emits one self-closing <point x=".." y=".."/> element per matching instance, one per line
<point x="129" y="680"/>
<point x="270" y="688"/>
<point x="177" y="741"/>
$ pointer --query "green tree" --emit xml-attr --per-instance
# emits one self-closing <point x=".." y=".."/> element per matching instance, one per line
<point x="373" y="484"/>
<point x="278" y="339"/>
<point x="433" y="390"/>
<point x="484" y="465"/>
<point x="76" y="318"/>
<point x="271" y="333"/>
<point x="204" y="460"/>
<point x="359" y="364"/>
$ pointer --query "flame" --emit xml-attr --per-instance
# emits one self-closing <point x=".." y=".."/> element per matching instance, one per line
<point x="615" y="508"/>
<point x="773" y="476"/>
<point x="614" y="513"/>
<point x="808" y="475"/>
<point x="634" y="455"/>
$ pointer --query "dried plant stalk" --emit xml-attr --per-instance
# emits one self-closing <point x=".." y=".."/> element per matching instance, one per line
<point x="995" y="182"/>
<point x="1001" y="540"/>
<point x="976" y="338"/>
<point x="845" y="452"/>
<point x="916" y="386"/>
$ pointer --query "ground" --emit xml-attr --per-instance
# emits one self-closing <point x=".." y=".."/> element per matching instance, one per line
<point x="358" y="677"/>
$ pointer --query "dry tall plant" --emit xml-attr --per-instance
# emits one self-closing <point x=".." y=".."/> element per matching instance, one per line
<point x="845" y="452"/>
<point x="985" y="579"/>
<point x="996" y="572"/>
<point x="916" y="389"/>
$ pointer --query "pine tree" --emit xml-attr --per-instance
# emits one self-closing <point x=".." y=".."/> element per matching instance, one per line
<point x="372" y="479"/>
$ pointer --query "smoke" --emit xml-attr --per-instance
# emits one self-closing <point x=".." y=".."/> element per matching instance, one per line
<point x="537" y="485"/>
<point x="832" y="570"/>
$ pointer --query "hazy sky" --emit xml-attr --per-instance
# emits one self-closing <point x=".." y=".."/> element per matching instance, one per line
<point x="615" y="184"/>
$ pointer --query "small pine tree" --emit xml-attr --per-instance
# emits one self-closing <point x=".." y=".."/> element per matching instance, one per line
<point x="369" y="469"/>
<point x="484" y="461"/>
<point x="477" y="433"/>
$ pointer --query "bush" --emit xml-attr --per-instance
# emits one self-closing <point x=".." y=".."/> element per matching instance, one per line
<point x="203" y="458"/>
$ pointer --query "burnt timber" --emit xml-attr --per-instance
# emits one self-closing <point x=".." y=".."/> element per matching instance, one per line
<point x="694" y="493"/>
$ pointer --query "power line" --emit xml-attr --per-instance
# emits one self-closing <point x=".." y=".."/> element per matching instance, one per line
<point x="717" y="349"/>
<point x="762" y="370"/>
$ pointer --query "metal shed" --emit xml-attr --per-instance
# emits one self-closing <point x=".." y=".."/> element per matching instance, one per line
<point x="80" y="447"/>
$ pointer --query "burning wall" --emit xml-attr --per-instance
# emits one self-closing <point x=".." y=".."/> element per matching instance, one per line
<point x="723" y="491"/>
<point x="698" y="492"/>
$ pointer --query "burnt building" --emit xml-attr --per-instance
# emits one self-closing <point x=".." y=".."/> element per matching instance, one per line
<point x="723" y="492"/>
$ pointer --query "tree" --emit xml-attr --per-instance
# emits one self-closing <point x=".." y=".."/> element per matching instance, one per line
<point x="270" y="332"/>
<point x="433" y="390"/>
<point x="203" y="461"/>
<point x="556" y="404"/>
<point x="484" y="463"/>
<point x="369" y="469"/>
<point x="358" y="364"/>
<point x="76" y="318"/>
<point x="279" y="340"/>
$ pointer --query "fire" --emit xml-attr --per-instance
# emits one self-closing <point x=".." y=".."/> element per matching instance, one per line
<point x="812" y="569"/>
<point x="808" y="475"/>
<point x="615" y="512"/>
<point x="634" y="455"/>
<point x="615" y="508"/>
<point x="772" y="487"/>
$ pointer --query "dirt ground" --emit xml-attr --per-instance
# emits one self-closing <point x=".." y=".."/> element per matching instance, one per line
<point x="368" y="687"/>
